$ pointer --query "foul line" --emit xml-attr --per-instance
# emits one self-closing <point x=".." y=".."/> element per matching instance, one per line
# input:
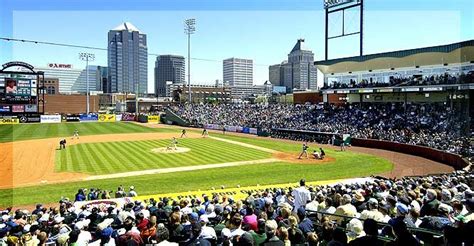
<point x="245" y="145"/>
<point x="178" y="169"/>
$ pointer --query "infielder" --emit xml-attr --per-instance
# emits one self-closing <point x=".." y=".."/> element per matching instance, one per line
<point x="204" y="133"/>
<point x="183" y="133"/>
<point x="76" y="134"/>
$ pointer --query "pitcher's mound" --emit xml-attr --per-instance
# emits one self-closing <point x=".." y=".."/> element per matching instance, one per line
<point x="165" y="150"/>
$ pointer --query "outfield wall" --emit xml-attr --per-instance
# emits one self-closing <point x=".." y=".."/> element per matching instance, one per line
<point x="450" y="159"/>
<point x="58" y="118"/>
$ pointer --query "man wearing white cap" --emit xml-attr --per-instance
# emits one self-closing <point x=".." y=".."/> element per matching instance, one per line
<point x="84" y="236"/>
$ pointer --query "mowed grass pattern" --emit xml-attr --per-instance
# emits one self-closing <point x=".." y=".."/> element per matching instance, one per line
<point x="9" y="133"/>
<point x="126" y="156"/>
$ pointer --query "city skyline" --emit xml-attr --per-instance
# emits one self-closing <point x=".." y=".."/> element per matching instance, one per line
<point x="257" y="31"/>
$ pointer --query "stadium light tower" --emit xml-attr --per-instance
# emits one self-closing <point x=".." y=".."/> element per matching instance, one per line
<point x="189" y="28"/>
<point x="84" y="56"/>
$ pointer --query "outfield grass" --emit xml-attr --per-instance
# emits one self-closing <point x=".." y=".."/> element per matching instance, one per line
<point x="114" y="157"/>
<point x="9" y="133"/>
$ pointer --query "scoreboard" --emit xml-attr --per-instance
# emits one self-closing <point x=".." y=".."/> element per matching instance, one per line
<point x="18" y="94"/>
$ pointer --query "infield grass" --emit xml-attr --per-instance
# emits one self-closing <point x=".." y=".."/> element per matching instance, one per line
<point x="115" y="157"/>
<point x="9" y="133"/>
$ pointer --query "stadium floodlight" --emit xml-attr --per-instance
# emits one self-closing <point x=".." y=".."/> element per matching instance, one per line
<point x="189" y="28"/>
<point x="334" y="3"/>
<point x="84" y="56"/>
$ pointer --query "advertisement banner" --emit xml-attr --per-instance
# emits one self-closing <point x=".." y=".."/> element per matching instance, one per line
<point x="128" y="117"/>
<point x="245" y="130"/>
<point x="72" y="118"/>
<point x="239" y="129"/>
<point x="88" y="117"/>
<point x="231" y="128"/>
<point x="253" y="131"/>
<point x="106" y="117"/>
<point x="118" y="117"/>
<point x="50" y="118"/>
<point x="18" y="108"/>
<point x="153" y="118"/>
<point x="4" y="109"/>
<point x="29" y="119"/>
<point x="9" y="120"/>
<point x="31" y="108"/>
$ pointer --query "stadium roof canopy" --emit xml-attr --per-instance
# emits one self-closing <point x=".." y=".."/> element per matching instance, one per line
<point x="435" y="55"/>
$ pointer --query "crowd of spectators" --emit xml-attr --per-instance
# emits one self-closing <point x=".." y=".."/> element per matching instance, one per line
<point x="433" y="125"/>
<point x="362" y="212"/>
<point x="443" y="79"/>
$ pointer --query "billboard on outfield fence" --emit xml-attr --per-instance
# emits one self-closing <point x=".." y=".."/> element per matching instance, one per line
<point x="153" y="118"/>
<point x="239" y="129"/>
<point x="8" y="120"/>
<point x="128" y="117"/>
<point x="50" y="118"/>
<point x="231" y="128"/>
<point x="88" y="117"/>
<point x="253" y="131"/>
<point x="106" y="117"/>
<point x="29" y="118"/>
<point x="118" y="117"/>
<point x="246" y="130"/>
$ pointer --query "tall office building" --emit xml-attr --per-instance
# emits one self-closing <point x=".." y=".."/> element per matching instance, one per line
<point x="168" y="68"/>
<point x="276" y="74"/>
<point x="238" y="72"/>
<point x="298" y="73"/>
<point x="127" y="59"/>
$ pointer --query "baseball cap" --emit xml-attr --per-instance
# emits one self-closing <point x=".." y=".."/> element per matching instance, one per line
<point x="402" y="208"/>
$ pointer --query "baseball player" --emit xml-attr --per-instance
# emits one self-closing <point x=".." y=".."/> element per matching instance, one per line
<point x="76" y="134"/>
<point x="304" y="151"/>
<point x="204" y="133"/>
<point x="183" y="133"/>
<point x="174" y="144"/>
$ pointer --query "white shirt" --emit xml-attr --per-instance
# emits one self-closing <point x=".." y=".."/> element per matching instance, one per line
<point x="84" y="238"/>
<point x="302" y="196"/>
<point x="208" y="232"/>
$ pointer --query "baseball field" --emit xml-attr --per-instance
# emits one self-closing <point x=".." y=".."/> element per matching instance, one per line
<point x="33" y="169"/>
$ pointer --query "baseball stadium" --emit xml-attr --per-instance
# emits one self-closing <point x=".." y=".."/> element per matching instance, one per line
<point x="371" y="149"/>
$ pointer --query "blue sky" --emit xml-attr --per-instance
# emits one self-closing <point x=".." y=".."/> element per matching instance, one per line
<point x="262" y="30"/>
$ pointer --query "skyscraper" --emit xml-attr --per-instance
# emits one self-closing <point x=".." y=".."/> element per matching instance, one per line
<point x="168" y="68"/>
<point x="127" y="59"/>
<point x="238" y="72"/>
<point x="298" y="73"/>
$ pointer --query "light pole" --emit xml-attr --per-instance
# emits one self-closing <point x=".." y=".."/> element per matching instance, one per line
<point x="87" y="57"/>
<point x="189" y="28"/>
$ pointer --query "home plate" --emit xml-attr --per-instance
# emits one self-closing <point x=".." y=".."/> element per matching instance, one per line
<point x="166" y="150"/>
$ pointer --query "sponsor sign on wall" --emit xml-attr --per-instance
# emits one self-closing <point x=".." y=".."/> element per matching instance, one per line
<point x="72" y="118"/>
<point x="153" y="118"/>
<point x="106" y="117"/>
<point x="128" y="117"/>
<point x="8" y="120"/>
<point x="118" y="117"/>
<point x="50" y="118"/>
<point x="18" y="108"/>
<point x="88" y="117"/>
<point x="31" y="108"/>
<point x="29" y="119"/>
<point x="4" y="109"/>
<point x="253" y="131"/>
